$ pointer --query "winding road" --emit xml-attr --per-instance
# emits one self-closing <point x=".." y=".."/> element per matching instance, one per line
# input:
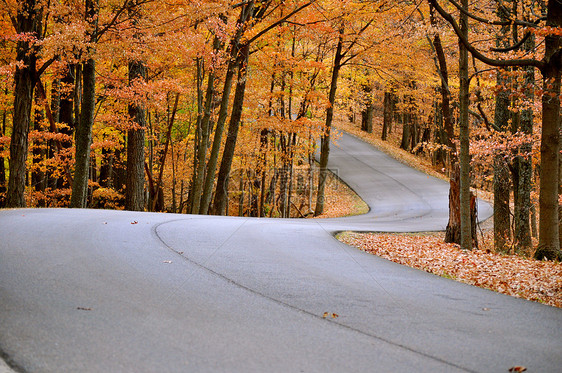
<point x="114" y="291"/>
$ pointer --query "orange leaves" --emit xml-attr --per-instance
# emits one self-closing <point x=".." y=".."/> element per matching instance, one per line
<point x="513" y="275"/>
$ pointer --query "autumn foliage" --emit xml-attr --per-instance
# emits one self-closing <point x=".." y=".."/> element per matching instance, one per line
<point x="219" y="106"/>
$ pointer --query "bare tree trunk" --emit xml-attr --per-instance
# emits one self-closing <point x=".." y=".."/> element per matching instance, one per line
<point x="464" y="159"/>
<point x="221" y="193"/>
<point x="525" y="166"/>
<point x="134" y="185"/>
<point x="219" y="129"/>
<point x="549" y="244"/>
<point x="87" y="110"/>
<point x="325" y="139"/>
<point x="199" y="174"/>
<point x="84" y="136"/>
<point x="28" y="20"/>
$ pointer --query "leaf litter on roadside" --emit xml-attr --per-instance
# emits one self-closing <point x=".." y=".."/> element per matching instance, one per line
<point x="539" y="281"/>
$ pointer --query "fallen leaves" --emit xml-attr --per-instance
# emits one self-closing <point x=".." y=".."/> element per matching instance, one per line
<point x="167" y="262"/>
<point x="332" y="315"/>
<point x="539" y="281"/>
<point x="84" y="308"/>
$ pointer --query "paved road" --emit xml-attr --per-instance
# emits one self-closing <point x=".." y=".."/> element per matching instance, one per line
<point x="111" y="291"/>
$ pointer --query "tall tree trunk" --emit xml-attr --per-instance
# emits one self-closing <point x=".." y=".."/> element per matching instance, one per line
<point x="197" y="185"/>
<point x="549" y="244"/>
<point x="87" y="111"/>
<point x="502" y="224"/>
<point x="221" y="193"/>
<point x="28" y="20"/>
<point x="84" y="136"/>
<point x="134" y="183"/>
<point x="199" y="77"/>
<point x="223" y="112"/>
<point x="325" y="139"/>
<point x="525" y="166"/>
<point x="464" y="159"/>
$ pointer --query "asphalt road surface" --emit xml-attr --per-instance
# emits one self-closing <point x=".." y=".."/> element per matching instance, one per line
<point x="113" y="291"/>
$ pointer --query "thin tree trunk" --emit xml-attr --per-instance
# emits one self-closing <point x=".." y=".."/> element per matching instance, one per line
<point x="223" y="112"/>
<point x="325" y="139"/>
<point x="87" y="110"/>
<point x="158" y="193"/>
<point x="199" y="178"/>
<point x="464" y="159"/>
<point x="84" y="136"/>
<point x="221" y="193"/>
<point x="387" y="115"/>
<point x="523" y="206"/>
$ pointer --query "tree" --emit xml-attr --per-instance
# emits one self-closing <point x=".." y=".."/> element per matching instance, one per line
<point x="134" y="187"/>
<point x="87" y="111"/>
<point x="27" y="23"/>
<point x="550" y="66"/>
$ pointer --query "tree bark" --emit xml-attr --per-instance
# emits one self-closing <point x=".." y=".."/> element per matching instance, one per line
<point x="223" y="111"/>
<point x="549" y="244"/>
<point x="502" y="226"/>
<point x="134" y="183"/>
<point x="525" y="167"/>
<point x="221" y="193"/>
<point x="453" y="230"/>
<point x="28" y="20"/>
<point x="464" y="159"/>
<point x="199" y="178"/>
<point x="87" y="111"/>
<point x="84" y="136"/>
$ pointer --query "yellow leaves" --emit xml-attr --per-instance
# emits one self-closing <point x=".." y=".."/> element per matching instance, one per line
<point x="328" y="314"/>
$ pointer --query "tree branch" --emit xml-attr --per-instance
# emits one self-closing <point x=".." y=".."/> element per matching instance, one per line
<point x="514" y="46"/>
<point x="496" y="23"/>
<point x="268" y="28"/>
<point x="477" y="54"/>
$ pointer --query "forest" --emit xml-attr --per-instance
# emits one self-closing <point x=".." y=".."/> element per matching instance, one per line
<point x="218" y="107"/>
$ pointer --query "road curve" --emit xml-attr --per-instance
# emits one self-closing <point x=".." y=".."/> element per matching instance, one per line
<point x="114" y="291"/>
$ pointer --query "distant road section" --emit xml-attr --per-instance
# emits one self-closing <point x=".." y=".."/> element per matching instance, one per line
<point x="115" y="291"/>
